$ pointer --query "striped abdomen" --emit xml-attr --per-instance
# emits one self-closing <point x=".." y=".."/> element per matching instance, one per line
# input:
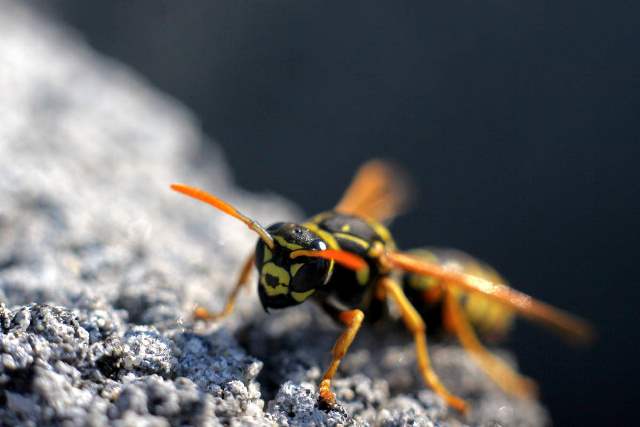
<point x="489" y="318"/>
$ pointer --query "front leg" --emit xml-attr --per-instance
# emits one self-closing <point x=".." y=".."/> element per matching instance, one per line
<point x="202" y="313"/>
<point x="352" y="319"/>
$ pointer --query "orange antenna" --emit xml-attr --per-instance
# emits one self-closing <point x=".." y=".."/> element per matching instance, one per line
<point x="225" y="207"/>
<point x="344" y="258"/>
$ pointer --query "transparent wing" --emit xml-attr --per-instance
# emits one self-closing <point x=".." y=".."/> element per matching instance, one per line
<point x="568" y="325"/>
<point x="379" y="191"/>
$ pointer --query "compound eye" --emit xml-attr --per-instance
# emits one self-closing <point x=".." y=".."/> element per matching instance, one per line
<point x="309" y="275"/>
<point x="318" y="245"/>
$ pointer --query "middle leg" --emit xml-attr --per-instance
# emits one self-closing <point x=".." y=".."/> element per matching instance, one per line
<point x="416" y="326"/>
<point x="501" y="373"/>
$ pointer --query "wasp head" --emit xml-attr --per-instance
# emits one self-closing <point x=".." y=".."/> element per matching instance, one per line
<point x="285" y="278"/>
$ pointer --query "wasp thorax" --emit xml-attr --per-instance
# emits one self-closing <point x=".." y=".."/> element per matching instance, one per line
<point x="286" y="281"/>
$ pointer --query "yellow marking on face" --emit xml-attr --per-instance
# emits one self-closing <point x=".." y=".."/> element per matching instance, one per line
<point x="278" y="290"/>
<point x="288" y="245"/>
<point x="270" y="269"/>
<point x="346" y="228"/>
<point x="294" y="268"/>
<point x="357" y="240"/>
<point x="267" y="253"/>
<point x="301" y="296"/>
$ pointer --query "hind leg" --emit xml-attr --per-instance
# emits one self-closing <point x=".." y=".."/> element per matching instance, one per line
<point x="501" y="373"/>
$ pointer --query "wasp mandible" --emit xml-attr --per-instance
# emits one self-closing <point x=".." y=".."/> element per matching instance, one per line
<point x="346" y="261"/>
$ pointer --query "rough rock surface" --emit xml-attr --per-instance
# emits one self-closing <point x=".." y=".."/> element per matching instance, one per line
<point x="100" y="266"/>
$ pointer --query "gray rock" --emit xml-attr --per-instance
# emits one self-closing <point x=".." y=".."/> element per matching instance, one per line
<point x="101" y="266"/>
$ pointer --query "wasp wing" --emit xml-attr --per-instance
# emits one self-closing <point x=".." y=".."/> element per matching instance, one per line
<point x="378" y="191"/>
<point x="568" y="325"/>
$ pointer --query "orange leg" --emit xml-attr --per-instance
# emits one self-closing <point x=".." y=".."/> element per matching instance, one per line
<point x="416" y="326"/>
<point x="201" y="313"/>
<point x="352" y="319"/>
<point x="501" y="373"/>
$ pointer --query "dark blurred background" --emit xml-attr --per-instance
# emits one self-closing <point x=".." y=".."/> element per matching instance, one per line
<point x="517" y="119"/>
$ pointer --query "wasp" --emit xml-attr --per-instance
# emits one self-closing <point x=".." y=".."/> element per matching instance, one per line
<point x="346" y="260"/>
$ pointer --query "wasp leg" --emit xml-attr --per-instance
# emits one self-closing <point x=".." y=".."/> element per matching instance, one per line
<point x="201" y="313"/>
<point x="416" y="325"/>
<point x="352" y="319"/>
<point x="509" y="380"/>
